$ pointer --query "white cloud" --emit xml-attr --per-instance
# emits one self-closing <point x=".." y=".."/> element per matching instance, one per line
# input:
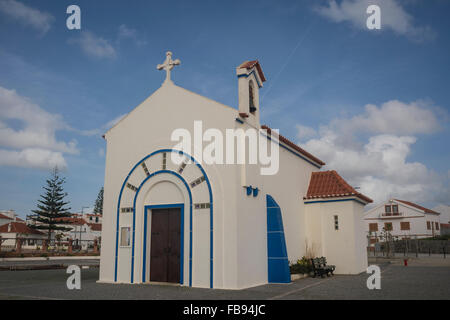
<point x="304" y="132"/>
<point x="102" y="129"/>
<point x="113" y="122"/>
<point x="94" y="46"/>
<point x="32" y="158"/>
<point x="392" y="117"/>
<point x="38" y="20"/>
<point x="393" y="17"/>
<point x="126" y="32"/>
<point x="379" y="164"/>
<point x="31" y="132"/>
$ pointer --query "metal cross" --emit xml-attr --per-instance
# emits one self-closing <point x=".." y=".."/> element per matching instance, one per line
<point x="168" y="65"/>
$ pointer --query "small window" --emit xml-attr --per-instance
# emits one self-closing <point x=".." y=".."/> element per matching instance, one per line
<point x="125" y="237"/>
<point x="251" y="97"/>
<point x="428" y="225"/>
<point x="336" y="223"/>
<point x="387" y="209"/>
<point x="404" y="226"/>
<point x="388" y="226"/>
<point x="373" y="227"/>
<point x="395" y="209"/>
<point x="437" y="225"/>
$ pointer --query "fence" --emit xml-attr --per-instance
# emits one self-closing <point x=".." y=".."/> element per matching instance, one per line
<point x="39" y="246"/>
<point x="410" y="248"/>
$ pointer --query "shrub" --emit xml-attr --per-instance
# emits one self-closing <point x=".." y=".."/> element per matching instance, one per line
<point x="302" y="266"/>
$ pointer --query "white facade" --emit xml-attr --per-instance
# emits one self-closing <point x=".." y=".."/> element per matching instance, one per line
<point x="7" y="216"/>
<point x="225" y="237"/>
<point x="18" y="229"/>
<point x="408" y="221"/>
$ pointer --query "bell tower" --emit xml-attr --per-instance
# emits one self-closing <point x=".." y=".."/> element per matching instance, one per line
<point x="250" y="80"/>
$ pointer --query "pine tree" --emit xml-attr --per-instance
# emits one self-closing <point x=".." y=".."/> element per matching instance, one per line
<point x="52" y="207"/>
<point x="98" y="208"/>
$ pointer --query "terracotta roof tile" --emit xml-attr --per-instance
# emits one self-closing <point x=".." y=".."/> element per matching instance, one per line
<point x="18" y="227"/>
<point x="251" y="64"/>
<point x="329" y="184"/>
<point x="289" y="143"/>
<point x="417" y="206"/>
<point x="95" y="226"/>
<point x="2" y="216"/>
<point x="68" y="220"/>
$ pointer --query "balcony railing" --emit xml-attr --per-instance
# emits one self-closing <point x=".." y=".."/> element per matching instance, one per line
<point x="391" y="215"/>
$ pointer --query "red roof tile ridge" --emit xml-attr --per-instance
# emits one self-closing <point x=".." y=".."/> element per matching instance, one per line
<point x="251" y="64"/>
<point x="329" y="184"/>
<point x="294" y="146"/>
<point x="412" y="204"/>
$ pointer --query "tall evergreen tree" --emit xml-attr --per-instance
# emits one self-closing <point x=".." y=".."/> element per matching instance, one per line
<point x="98" y="208"/>
<point x="51" y="206"/>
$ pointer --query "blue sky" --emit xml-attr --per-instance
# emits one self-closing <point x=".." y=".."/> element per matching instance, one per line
<point x="373" y="104"/>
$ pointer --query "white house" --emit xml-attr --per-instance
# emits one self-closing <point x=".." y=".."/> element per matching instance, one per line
<point x="81" y="228"/>
<point x="216" y="225"/>
<point x="403" y="219"/>
<point x="4" y="219"/>
<point x="18" y="229"/>
<point x="7" y="216"/>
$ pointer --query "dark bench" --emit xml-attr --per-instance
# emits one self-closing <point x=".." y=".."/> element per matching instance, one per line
<point x="320" y="267"/>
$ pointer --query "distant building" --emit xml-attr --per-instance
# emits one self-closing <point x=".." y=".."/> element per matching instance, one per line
<point x="444" y="218"/>
<point x="7" y="216"/>
<point x="18" y="229"/>
<point x="403" y="219"/>
<point x="92" y="218"/>
<point x="83" y="227"/>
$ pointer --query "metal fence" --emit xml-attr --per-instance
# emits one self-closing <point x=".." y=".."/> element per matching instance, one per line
<point x="37" y="246"/>
<point x="410" y="248"/>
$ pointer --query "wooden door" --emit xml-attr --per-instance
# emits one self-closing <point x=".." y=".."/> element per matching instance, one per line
<point x="165" y="245"/>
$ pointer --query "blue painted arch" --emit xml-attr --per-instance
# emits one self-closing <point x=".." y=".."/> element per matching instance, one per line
<point x="190" y="218"/>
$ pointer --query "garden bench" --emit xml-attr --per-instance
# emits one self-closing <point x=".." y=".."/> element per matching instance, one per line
<point x="330" y="267"/>
<point x="320" y="268"/>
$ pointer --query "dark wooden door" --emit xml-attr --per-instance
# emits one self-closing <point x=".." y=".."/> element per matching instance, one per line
<point x="165" y="245"/>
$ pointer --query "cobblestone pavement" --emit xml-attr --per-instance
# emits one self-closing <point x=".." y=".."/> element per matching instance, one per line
<point x="397" y="282"/>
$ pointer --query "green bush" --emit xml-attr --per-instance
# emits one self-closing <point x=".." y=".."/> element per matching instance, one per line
<point x="302" y="266"/>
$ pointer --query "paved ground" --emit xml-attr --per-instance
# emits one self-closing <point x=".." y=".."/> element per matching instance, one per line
<point x="397" y="282"/>
<point x="46" y="264"/>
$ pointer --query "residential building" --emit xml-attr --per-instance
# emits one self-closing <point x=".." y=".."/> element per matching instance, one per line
<point x="403" y="219"/>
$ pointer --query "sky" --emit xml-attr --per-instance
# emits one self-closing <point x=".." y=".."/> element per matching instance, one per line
<point x="373" y="104"/>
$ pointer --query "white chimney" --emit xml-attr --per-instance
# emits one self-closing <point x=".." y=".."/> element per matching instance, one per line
<point x="9" y="227"/>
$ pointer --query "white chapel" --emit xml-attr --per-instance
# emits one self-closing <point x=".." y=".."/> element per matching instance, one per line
<point x="218" y="225"/>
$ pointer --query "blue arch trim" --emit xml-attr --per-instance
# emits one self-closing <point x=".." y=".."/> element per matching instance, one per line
<point x="277" y="259"/>
<point x="190" y="236"/>
<point x="134" y="209"/>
